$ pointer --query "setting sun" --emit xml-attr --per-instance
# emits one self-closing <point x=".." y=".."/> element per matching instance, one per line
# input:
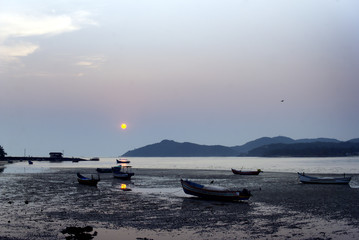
<point x="123" y="126"/>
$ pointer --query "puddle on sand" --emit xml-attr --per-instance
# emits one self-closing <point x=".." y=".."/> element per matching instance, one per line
<point x="136" y="234"/>
<point x="300" y="225"/>
<point x="175" y="192"/>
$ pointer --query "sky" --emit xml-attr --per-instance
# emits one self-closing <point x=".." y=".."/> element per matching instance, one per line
<point x="202" y="71"/>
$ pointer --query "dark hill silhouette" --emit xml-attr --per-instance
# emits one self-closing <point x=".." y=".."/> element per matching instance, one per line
<point x="312" y="149"/>
<point x="245" y="148"/>
<point x="265" y="146"/>
<point x="169" y="148"/>
<point x="323" y="140"/>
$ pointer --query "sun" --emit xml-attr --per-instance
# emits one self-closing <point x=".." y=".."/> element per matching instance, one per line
<point x="123" y="125"/>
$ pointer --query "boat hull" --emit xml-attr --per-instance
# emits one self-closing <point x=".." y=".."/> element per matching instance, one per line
<point x="323" y="180"/>
<point x="87" y="181"/>
<point x="122" y="161"/>
<point x="240" y="172"/>
<point x="201" y="191"/>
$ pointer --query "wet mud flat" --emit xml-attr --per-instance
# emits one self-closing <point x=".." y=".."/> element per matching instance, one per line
<point x="48" y="205"/>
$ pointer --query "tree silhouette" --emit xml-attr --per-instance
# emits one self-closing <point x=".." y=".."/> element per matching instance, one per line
<point x="2" y="152"/>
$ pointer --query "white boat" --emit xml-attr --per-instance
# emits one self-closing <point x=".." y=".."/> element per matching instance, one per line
<point x="323" y="180"/>
<point x="122" y="160"/>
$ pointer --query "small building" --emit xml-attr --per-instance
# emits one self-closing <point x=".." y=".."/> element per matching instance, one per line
<point x="55" y="154"/>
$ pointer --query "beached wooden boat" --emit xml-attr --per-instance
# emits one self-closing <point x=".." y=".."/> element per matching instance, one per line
<point x="87" y="181"/>
<point x="323" y="180"/>
<point x="246" y="172"/>
<point x="122" y="172"/>
<point x="214" y="192"/>
<point x="122" y="160"/>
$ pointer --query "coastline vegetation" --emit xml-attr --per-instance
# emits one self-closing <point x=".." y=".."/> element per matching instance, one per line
<point x="2" y="152"/>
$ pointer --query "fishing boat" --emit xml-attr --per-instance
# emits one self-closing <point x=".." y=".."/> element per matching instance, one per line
<point x="323" y="180"/>
<point x="246" y="172"/>
<point x="122" y="172"/>
<point x="87" y="181"/>
<point x="214" y="192"/>
<point x="122" y="160"/>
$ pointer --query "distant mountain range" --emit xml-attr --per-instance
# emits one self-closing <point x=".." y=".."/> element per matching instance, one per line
<point x="261" y="147"/>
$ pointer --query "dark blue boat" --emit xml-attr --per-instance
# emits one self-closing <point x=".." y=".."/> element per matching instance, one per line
<point x="87" y="181"/>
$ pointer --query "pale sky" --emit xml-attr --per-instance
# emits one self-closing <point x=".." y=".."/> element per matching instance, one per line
<point x="201" y="71"/>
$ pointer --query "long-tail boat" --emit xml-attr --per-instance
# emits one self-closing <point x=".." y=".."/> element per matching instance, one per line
<point x="214" y="192"/>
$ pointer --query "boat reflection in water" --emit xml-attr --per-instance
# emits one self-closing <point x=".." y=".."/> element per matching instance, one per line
<point x="125" y="188"/>
<point x="123" y="172"/>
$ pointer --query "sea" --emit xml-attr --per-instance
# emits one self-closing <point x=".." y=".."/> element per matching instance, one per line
<point x="332" y="165"/>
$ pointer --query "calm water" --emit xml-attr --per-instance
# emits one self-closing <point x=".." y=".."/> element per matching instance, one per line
<point x="308" y="165"/>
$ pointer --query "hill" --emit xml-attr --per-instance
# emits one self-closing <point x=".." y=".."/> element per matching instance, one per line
<point x="245" y="148"/>
<point x="264" y="147"/>
<point x="169" y="148"/>
<point x="312" y="149"/>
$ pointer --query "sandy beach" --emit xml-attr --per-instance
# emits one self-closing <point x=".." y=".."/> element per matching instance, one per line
<point x="49" y="205"/>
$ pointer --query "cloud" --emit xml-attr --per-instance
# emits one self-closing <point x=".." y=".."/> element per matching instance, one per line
<point x="19" y="26"/>
<point x="91" y="61"/>
<point x="83" y="63"/>
<point x="17" y="50"/>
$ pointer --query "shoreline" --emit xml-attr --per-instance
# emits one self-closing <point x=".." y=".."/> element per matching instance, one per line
<point x="20" y="159"/>
<point x="157" y="207"/>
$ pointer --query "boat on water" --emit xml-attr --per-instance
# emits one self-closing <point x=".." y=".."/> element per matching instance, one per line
<point x="122" y="160"/>
<point x="122" y="172"/>
<point x="87" y="181"/>
<point x="214" y="192"/>
<point x="323" y="180"/>
<point x="246" y="172"/>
